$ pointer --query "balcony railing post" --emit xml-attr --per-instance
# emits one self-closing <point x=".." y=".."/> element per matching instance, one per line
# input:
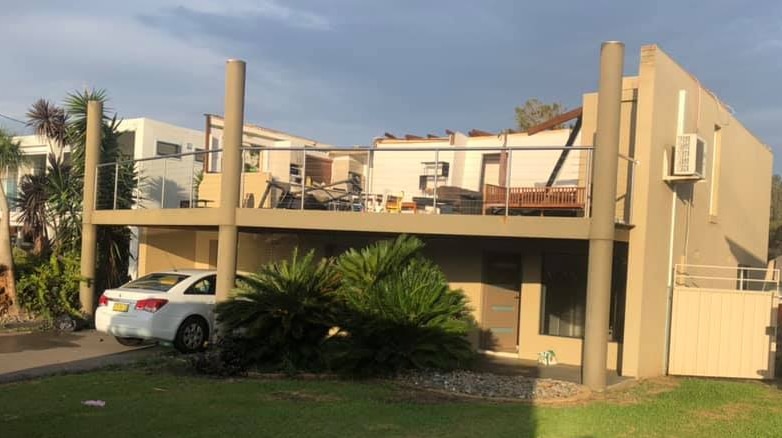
<point x="96" y="192"/>
<point x="116" y="181"/>
<point x="588" y="201"/>
<point x="633" y="165"/>
<point x="303" y="176"/>
<point x="436" y="177"/>
<point x="192" y="182"/>
<point x="138" y="183"/>
<point x="241" y="179"/>
<point x="508" y="167"/>
<point x="163" y="184"/>
<point x="368" y="183"/>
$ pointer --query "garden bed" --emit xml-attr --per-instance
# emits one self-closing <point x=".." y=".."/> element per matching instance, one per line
<point x="493" y="386"/>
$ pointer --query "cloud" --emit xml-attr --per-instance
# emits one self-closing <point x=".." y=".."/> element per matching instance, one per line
<point x="770" y="44"/>
<point x="147" y="71"/>
<point x="268" y="9"/>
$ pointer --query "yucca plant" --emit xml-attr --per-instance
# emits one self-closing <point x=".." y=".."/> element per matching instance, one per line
<point x="282" y="313"/>
<point x="34" y="215"/>
<point x="398" y="312"/>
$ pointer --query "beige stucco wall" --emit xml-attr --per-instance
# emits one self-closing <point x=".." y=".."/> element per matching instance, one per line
<point x="567" y="350"/>
<point x="740" y="232"/>
<point x="627" y="148"/>
<point x="396" y="172"/>
<point x="460" y="259"/>
<point x="252" y="184"/>
<point x="165" y="249"/>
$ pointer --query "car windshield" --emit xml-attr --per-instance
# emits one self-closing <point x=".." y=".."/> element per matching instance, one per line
<point x="156" y="282"/>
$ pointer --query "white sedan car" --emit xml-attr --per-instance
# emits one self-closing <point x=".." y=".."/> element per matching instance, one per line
<point x="175" y="306"/>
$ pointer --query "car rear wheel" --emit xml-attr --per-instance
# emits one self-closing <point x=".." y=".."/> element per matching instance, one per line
<point x="129" y="342"/>
<point x="191" y="335"/>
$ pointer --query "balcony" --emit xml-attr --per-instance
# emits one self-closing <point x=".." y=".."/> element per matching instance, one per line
<point x="532" y="191"/>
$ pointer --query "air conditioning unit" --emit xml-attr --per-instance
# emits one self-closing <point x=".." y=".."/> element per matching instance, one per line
<point x="689" y="156"/>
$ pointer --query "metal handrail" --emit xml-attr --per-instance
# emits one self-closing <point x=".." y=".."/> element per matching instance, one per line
<point x="421" y="149"/>
<point x="680" y="272"/>
<point x="371" y="155"/>
<point x="160" y="157"/>
<point x="347" y="149"/>
<point x="722" y="267"/>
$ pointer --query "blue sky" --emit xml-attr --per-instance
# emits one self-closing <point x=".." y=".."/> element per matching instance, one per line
<point x="344" y="71"/>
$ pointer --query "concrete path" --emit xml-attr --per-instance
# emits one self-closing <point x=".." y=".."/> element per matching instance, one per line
<point x="29" y="355"/>
<point x="530" y="368"/>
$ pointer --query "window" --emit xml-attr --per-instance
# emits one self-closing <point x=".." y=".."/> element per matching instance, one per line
<point x="161" y="282"/>
<point x="216" y="157"/>
<point x="433" y="173"/>
<point x="715" y="174"/>
<point x="165" y="148"/>
<point x="38" y="164"/>
<point x="563" y="303"/>
<point x="204" y="286"/>
<point x="251" y="159"/>
<point x="564" y="294"/>
<point x="213" y="254"/>
<point x="295" y="174"/>
<point x="199" y="157"/>
<point x="10" y="184"/>
<point x="242" y="282"/>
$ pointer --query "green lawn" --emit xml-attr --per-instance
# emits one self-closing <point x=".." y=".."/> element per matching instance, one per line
<point x="158" y="404"/>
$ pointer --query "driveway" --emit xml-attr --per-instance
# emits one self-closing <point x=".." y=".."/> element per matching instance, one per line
<point x="37" y="354"/>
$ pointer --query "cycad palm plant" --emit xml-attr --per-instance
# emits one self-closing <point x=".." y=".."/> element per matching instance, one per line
<point x="282" y="313"/>
<point x="398" y="312"/>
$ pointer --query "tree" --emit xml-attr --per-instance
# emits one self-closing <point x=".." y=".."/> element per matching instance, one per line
<point x="775" y="218"/>
<point x="67" y="126"/>
<point x="535" y="112"/>
<point x="113" y="252"/>
<point x="10" y="159"/>
<point x="50" y="122"/>
<point x="32" y="201"/>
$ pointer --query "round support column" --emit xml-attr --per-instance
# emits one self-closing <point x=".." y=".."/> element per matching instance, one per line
<point x="601" y="231"/>
<point x="231" y="176"/>
<point x="88" y="229"/>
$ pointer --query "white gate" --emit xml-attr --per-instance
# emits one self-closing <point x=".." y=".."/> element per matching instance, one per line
<point x="723" y="325"/>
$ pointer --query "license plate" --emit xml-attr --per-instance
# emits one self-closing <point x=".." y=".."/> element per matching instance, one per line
<point x="120" y="307"/>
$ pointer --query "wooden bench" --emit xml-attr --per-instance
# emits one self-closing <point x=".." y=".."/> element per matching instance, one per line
<point x="533" y="198"/>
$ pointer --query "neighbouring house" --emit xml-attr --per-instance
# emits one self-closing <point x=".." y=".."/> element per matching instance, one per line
<point x="508" y="216"/>
<point x="140" y="138"/>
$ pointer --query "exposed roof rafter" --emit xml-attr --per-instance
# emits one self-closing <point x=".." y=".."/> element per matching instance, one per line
<point x="555" y="121"/>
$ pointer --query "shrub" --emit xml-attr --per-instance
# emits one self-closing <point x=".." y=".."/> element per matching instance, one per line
<point x="226" y="358"/>
<point x="282" y="313"/>
<point x="51" y="288"/>
<point x="398" y="312"/>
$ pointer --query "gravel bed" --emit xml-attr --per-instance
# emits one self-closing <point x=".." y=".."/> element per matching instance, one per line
<point x="492" y="385"/>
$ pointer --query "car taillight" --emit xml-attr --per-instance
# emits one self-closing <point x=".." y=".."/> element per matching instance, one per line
<point x="150" y="305"/>
<point x="103" y="300"/>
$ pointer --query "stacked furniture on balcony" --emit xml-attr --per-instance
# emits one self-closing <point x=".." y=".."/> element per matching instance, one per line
<point x="340" y="195"/>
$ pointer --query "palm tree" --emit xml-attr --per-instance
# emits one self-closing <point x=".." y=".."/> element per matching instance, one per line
<point x="34" y="215"/>
<point x="10" y="159"/>
<point x="113" y="242"/>
<point x="50" y="122"/>
<point x="67" y="125"/>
